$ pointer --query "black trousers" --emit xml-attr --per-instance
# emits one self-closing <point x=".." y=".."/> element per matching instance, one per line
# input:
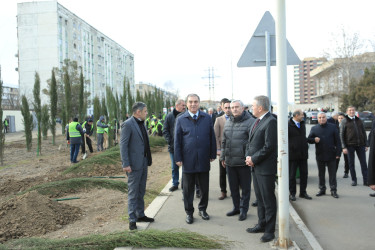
<point x="361" y="153"/>
<point x="240" y="177"/>
<point x="331" y="165"/>
<point x="346" y="164"/>
<point x="293" y="166"/>
<point x="89" y="144"/>
<point x="264" y="188"/>
<point x="223" y="178"/>
<point x="203" y="180"/>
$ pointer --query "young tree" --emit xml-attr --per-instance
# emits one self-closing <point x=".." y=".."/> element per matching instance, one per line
<point x="104" y="110"/>
<point x="2" y="135"/>
<point x="129" y="96"/>
<point x="38" y="110"/>
<point x="53" y="98"/>
<point x="81" y="106"/>
<point x="111" y="105"/>
<point x="64" y="120"/>
<point x="97" y="109"/>
<point x="28" y="122"/>
<point x="45" y="121"/>
<point x="68" y="95"/>
<point x="124" y="106"/>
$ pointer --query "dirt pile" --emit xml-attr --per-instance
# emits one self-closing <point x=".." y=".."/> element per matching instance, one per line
<point x="33" y="214"/>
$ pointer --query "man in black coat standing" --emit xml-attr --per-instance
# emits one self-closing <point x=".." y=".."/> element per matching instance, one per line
<point x="261" y="155"/>
<point x="298" y="155"/>
<point x="327" y="149"/>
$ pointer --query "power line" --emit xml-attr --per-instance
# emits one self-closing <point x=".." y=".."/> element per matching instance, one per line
<point x="211" y="82"/>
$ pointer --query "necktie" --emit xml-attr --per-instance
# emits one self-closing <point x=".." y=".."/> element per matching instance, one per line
<point x="256" y="124"/>
<point x="195" y="117"/>
<point x="298" y="124"/>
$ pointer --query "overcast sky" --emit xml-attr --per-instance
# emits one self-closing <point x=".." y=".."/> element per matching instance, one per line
<point x="177" y="41"/>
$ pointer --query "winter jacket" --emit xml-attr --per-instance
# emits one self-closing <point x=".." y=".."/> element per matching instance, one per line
<point x="329" y="145"/>
<point x="352" y="132"/>
<point x="235" y="137"/>
<point x="194" y="142"/>
<point x="298" y="147"/>
<point x="168" y="129"/>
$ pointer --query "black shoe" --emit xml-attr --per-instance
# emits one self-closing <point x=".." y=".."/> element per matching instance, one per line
<point x="292" y="197"/>
<point x="204" y="215"/>
<point x="320" y="193"/>
<point x="242" y="216"/>
<point x="267" y="237"/>
<point x="233" y="212"/>
<point x="145" y="219"/>
<point x="334" y="194"/>
<point x="372" y="195"/>
<point x="255" y="229"/>
<point x="365" y="183"/>
<point x="345" y="175"/>
<point x="305" y="196"/>
<point x="254" y="204"/>
<point x="75" y="161"/>
<point x="173" y="188"/>
<point x="354" y="183"/>
<point x="189" y="219"/>
<point x="132" y="226"/>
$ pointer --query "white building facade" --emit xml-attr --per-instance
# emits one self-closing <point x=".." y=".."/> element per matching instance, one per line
<point x="48" y="33"/>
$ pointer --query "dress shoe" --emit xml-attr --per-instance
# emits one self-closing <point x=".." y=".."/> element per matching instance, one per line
<point x="334" y="194"/>
<point x="233" y="212"/>
<point x="372" y="195"/>
<point x="345" y="175"/>
<point x="354" y="183"/>
<point x="132" y="226"/>
<point x="267" y="237"/>
<point x="173" y="188"/>
<point x="145" y="219"/>
<point x="365" y="183"/>
<point x="204" y="215"/>
<point x="189" y="219"/>
<point x="292" y="197"/>
<point x="255" y="229"/>
<point x="242" y="216"/>
<point x="255" y="203"/>
<point x="223" y="196"/>
<point x="305" y="196"/>
<point x="320" y="193"/>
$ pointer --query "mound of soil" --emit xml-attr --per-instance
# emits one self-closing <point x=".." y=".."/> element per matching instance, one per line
<point x="33" y="214"/>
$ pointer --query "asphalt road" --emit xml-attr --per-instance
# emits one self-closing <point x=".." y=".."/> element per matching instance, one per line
<point x="344" y="223"/>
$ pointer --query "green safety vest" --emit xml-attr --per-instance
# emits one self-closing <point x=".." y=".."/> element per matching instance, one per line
<point x="99" y="130"/>
<point x="6" y="122"/>
<point x="164" y="116"/>
<point x="83" y="125"/>
<point x="155" y="129"/>
<point x="106" y="130"/>
<point x="148" y="123"/>
<point x="73" y="132"/>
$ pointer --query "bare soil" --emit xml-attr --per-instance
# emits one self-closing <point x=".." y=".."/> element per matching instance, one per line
<point x="98" y="211"/>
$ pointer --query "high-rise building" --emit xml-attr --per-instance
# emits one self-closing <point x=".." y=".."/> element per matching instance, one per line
<point x="48" y="33"/>
<point x="304" y="86"/>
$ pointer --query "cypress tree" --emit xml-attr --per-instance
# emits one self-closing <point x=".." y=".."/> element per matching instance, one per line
<point x="68" y="95"/>
<point x="38" y="110"/>
<point x="28" y="122"/>
<point x="45" y="121"/>
<point x="96" y="112"/>
<point x="81" y="107"/>
<point x="2" y="135"/>
<point x="53" y="103"/>
<point x="124" y="106"/>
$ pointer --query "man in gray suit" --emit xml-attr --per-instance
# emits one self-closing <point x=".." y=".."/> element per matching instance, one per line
<point x="261" y="155"/>
<point x="136" y="157"/>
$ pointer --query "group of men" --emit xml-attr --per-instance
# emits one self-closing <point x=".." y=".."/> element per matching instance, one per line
<point x="246" y="145"/>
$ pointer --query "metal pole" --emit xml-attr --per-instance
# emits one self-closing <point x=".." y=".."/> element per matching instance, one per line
<point x="268" y="65"/>
<point x="282" y="126"/>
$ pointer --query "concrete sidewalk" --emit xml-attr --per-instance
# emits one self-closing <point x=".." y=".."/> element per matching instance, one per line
<point x="169" y="213"/>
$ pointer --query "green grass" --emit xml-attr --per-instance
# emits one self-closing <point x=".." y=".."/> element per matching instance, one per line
<point x="53" y="189"/>
<point x="157" y="141"/>
<point x="138" y="239"/>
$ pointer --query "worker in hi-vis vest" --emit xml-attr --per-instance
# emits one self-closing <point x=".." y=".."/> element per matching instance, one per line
<point x="73" y="136"/>
<point x="100" y="126"/>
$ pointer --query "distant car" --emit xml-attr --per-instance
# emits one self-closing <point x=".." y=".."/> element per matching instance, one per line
<point x="367" y="118"/>
<point x="312" y="117"/>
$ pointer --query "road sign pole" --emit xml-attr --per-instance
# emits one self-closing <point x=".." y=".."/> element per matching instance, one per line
<point x="268" y="64"/>
<point x="282" y="126"/>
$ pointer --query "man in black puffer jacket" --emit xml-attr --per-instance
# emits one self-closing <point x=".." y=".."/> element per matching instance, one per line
<point x="233" y="149"/>
<point x="298" y="155"/>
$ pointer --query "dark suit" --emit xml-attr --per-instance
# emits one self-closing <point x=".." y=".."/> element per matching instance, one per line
<point x="262" y="148"/>
<point x="135" y="152"/>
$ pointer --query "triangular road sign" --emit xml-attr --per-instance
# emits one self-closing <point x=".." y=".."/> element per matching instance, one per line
<point x="254" y="54"/>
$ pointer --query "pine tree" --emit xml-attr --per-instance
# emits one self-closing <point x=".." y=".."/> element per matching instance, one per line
<point x="28" y="122"/>
<point x="45" y="121"/>
<point x="53" y="103"/>
<point x="38" y="110"/>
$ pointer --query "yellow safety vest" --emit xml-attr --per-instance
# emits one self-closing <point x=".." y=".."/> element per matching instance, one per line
<point x="99" y="130"/>
<point x="73" y="132"/>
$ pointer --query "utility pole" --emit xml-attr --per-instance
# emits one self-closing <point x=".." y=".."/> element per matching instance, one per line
<point x="211" y="83"/>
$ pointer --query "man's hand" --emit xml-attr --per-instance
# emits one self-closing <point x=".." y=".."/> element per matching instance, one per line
<point x="127" y="169"/>
<point x="223" y="163"/>
<point x="249" y="162"/>
<point x="317" y="139"/>
<point x="211" y="160"/>
<point x="179" y="163"/>
<point x="345" y="151"/>
<point x="366" y="148"/>
<point x="218" y="152"/>
<point x="337" y="157"/>
<point x="372" y="187"/>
